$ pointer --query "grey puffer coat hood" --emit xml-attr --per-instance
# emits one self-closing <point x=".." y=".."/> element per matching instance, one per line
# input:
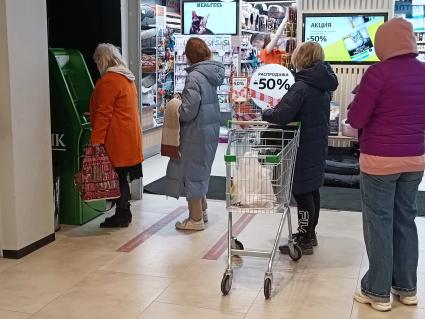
<point x="212" y="70"/>
<point x="200" y="126"/>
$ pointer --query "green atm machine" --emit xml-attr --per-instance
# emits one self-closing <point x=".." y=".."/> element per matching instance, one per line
<point x="70" y="90"/>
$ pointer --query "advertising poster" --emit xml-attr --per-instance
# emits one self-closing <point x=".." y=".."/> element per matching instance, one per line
<point x="210" y="17"/>
<point x="269" y="84"/>
<point x="239" y="89"/>
<point x="343" y="38"/>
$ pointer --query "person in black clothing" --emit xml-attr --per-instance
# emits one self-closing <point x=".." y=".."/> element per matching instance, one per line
<point x="307" y="101"/>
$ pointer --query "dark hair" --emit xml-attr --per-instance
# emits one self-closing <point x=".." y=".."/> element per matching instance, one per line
<point x="267" y="40"/>
<point x="197" y="50"/>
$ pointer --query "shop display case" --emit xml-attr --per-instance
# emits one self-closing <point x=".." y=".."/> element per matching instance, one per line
<point x="153" y="60"/>
<point x="221" y="47"/>
<point x="420" y="40"/>
<point x="414" y="12"/>
<point x="262" y="19"/>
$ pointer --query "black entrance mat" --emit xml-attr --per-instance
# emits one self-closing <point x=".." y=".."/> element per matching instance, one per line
<point x="336" y="198"/>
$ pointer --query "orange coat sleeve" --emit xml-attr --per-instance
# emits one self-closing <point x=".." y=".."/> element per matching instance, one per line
<point x="106" y="93"/>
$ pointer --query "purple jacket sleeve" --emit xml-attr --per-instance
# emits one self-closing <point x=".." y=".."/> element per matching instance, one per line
<point x="365" y="101"/>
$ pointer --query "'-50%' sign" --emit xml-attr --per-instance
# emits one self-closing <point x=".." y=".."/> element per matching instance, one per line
<point x="269" y="84"/>
<point x="239" y="89"/>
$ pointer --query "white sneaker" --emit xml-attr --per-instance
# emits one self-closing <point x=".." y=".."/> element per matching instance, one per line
<point x="190" y="224"/>
<point x="205" y="216"/>
<point x="380" y="306"/>
<point x="408" y="301"/>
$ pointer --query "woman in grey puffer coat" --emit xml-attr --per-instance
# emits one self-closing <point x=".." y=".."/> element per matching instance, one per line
<point x="199" y="133"/>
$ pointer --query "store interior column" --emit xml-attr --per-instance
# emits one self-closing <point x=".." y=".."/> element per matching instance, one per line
<point x="26" y="197"/>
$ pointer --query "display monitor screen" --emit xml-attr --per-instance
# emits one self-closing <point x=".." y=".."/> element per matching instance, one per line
<point x="210" y="17"/>
<point x="344" y="38"/>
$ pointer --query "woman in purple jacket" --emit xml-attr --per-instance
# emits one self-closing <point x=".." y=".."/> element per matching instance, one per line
<point x="390" y="109"/>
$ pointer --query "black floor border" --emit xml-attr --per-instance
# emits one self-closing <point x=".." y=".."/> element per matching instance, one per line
<point x="20" y="253"/>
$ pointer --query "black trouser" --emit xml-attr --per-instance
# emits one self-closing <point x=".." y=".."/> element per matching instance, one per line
<point x="123" y="202"/>
<point x="308" y="205"/>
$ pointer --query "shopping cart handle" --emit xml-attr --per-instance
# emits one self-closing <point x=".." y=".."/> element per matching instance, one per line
<point x="251" y="123"/>
<point x="260" y="123"/>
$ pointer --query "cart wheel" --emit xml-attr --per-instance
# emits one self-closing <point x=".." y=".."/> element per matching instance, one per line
<point x="297" y="254"/>
<point x="267" y="288"/>
<point x="239" y="245"/>
<point x="226" y="284"/>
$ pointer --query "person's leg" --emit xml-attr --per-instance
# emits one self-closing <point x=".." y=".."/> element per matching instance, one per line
<point x="123" y="203"/>
<point x="195" y="220"/>
<point x="306" y="214"/>
<point x="305" y="207"/>
<point x="406" y="247"/>
<point x="378" y="204"/>
<point x="195" y="209"/>
<point x="122" y="216"/>
<point x="316" y="200"/>
<point x="204" y="209"/>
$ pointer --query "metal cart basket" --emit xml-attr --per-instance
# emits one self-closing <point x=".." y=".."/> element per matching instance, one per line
<point x="260" y="162"/>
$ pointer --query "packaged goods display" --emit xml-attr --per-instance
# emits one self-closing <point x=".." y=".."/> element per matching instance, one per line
<point x="260" y="21"/>
<point x="414" y="12"/>
<point x="221" y="47"/>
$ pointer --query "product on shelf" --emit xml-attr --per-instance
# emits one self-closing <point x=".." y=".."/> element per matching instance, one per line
<point x="334" y="123"/>
<point x="148" y="38"/>
<point x="148" y="63"/>
<point x="147" y="18"/>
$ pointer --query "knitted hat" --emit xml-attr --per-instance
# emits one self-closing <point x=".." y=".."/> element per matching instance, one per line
<point x="395" y="37"/>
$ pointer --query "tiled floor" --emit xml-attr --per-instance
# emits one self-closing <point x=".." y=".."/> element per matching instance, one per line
<point x="82" y="275"/>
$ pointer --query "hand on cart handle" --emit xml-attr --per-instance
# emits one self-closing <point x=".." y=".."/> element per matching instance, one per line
<point x="260" y="123"/>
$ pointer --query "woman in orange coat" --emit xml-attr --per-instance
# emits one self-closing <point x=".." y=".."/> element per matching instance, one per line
<point x="115" y="124"/>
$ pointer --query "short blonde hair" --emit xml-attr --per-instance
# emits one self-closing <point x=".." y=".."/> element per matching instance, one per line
<point x="107" y="55"/>
<point x="306" y="55"/>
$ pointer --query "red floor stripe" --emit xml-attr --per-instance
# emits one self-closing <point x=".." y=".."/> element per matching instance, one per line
<point x="152" y="230"/>
<point x="221" y="245"/>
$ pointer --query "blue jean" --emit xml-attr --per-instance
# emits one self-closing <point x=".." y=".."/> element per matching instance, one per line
<point x="390" y="234"/>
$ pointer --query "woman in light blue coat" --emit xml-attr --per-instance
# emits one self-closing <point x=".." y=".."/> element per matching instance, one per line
<point x="199" y="133"/>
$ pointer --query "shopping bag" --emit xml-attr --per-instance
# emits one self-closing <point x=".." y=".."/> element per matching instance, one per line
<point x="252" y="183"/>
<point x="97" y="179"/>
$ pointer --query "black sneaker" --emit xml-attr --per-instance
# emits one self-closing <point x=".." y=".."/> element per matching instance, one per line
<point x="113" y="217"/>
<point x="114" y="222"/>
<point x="306" y="246"/>
<point x="314" y="241"/>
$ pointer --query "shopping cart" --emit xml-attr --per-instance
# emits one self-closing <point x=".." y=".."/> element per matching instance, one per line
<point x="260" y="162"/>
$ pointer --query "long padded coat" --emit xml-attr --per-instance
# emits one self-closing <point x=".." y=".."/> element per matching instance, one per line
<point x="308" y="101"/>
<point x="115" y="118"/>
<point x="200" y="127"/>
